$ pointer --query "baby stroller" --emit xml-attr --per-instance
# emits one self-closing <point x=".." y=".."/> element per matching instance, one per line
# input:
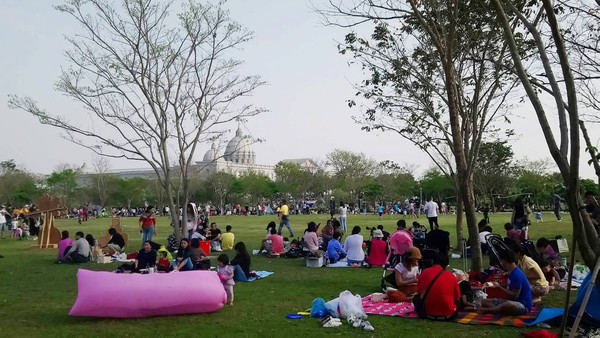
<point x="496" y="248"/>
<point x="400" y="241"/>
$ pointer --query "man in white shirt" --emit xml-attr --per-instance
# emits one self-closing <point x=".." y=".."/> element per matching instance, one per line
<point x="431" y="211"/>
<point x="343" y="211"/>
<point x="3" y="224"/>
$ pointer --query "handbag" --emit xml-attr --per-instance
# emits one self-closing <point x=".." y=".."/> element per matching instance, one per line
<point x="419" y="302"/>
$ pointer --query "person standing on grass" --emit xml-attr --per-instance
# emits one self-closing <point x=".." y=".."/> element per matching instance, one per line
<point x="431" y="211"/>
<point x="3" y="224"/>
<point x="343" y="211"/>
<point x="519" y="300"/>
<point x="556" y="201"/>
<point x="284" y="215"/>
<point x="148" y="224"/>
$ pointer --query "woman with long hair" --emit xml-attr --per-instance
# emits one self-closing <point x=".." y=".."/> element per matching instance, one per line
<point x="241" y="262"/>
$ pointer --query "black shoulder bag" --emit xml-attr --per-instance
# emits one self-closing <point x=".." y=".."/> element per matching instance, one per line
<point x="419" y="302"/>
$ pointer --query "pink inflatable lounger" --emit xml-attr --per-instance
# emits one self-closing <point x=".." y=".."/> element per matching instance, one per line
<point x="116" y="295"/>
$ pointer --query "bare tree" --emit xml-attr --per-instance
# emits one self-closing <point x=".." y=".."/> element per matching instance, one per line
<point x="100" y="178"/>
<point x="154" y="84"/>
<point x="429" y="80"/>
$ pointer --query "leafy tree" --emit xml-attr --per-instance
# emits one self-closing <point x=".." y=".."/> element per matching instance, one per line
<point x="432" y="79"/>
<point x="351" y="171"/>
<point x="223" y="185"/>
<point x="257" y="186"/>
<point x="435" y="184"/>
<point x="132" y="191"/>
<point x="293" y="179"/>
<point x="157" y="78"/>
<point x="494" y="170"/>
<point x="63" y="184"/>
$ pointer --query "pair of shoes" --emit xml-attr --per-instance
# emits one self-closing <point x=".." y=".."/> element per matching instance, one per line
<point x="366" y="325"/>
<point x="354" y="321"/>
<point x="331" y="322"/>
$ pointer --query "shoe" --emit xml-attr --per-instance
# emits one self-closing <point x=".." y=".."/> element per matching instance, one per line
<point x="332" y="323"/>
<point x="366" y="325"/>
<point x="255" y="252"/>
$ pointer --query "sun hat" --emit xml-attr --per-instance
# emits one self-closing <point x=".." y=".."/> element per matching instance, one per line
<point x="377" y="233"/>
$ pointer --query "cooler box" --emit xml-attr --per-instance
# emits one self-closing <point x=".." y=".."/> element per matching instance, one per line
<point x="314" y="262"/>
<point x="205" y="246"/>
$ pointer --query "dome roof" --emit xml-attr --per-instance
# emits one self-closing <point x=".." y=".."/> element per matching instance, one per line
<point x="238" y="149"/>
<point x="211" y="154"/>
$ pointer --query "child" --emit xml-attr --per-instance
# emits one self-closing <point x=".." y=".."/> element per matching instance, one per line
<point x="466" y="302"/>
<point x="163" y="262"/>
<point x="15" y="232"/>
<point x="544" y="249"/>
<point x="551" y="275"/>
<point x="225" y="273"/>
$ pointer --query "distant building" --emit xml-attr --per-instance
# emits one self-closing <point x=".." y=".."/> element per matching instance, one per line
<point x="238" y="158"/>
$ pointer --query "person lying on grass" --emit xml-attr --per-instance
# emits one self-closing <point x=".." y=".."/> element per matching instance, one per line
<point x="519" y="291"/>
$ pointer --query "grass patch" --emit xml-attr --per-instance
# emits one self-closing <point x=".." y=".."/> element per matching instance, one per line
<point x="37" y="294"/>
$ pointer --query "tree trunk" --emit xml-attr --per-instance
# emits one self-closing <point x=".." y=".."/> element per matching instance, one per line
<point x="459" y="222"/>
<point x="591" y="149"/>
<point x="469" y="204"/>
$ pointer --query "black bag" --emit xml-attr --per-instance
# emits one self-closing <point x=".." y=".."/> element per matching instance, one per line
<point x="419" y="302"/>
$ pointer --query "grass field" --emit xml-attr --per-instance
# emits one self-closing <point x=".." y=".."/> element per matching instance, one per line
<point x="37" y="294"/>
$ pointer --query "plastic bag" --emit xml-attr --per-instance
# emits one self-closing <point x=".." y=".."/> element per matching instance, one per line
<point x="332" y="307"/>
<point x="318" y="310"/>
<point x="350" y="304"/>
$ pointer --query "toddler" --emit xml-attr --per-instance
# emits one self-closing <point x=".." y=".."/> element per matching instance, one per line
<point x="538" y="217"/>
<point x="163" y="263"/>
<point x="225" y="273"/>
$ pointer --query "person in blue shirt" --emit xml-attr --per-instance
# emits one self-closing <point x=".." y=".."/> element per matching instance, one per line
<point x="518" y="291"/>
<point x="380" y="211"/>
<point x="335" y="251"/>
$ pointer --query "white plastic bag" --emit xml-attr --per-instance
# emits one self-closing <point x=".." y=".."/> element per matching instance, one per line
<point x="332" y="307"/>
<point x="350" y="304"/>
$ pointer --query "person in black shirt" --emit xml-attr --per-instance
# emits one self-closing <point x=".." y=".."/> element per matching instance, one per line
<point x="116" y="242"/>
<point x="241" y="262"/>
<point x="145" y="258"/>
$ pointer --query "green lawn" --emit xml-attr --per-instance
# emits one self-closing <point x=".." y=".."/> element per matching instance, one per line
<point x="37" y="294"/>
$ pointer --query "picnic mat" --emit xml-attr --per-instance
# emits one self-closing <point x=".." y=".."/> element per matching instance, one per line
<point x="473" y="318"/>
<point x="405" y="309"/>
<point x="340" y="264"/>
<point x="261" y="275"/>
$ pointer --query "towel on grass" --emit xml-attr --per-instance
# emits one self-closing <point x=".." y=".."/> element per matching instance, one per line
<point x="261" y="275"/>
<point x="404" y="309"/>
<point x="473" y="318"/>
<point x="340" y="264"/>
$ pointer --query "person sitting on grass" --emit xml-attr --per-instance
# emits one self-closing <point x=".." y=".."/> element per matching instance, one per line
<point x="407" y="271"/>
<point x="63" y="246"/>
<point x="544" y="249"/>
<point x="466" y="302"/>
<point x="519" y="300"/>
<point x="444" y="294"/>
<point x="227" y="239"/>
<point x="242" y="262"/>
<point x="80" y="251"/>
<point x="327" y="233"/>
<point x="163" y="263"/>
<point x="116" y="243"/>
<point x="199" y="257"/>
<point x="311" y="241"/>
<point x="183" y="261"/>
<point x="274" y="244"/>
<point x="146" y="257"/>
<point x="531" y="269"/>
<point x="335" y="252"/>
<point x="377" y="250"/>
<point x="512" y="233"/>
<point x="386" y="234"/>
<point x="353" y="246"/>
<point x="552" y="276"/>
<point x="215" y="237"/>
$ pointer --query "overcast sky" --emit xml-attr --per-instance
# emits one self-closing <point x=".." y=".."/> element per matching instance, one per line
<point x="308" y="85"/>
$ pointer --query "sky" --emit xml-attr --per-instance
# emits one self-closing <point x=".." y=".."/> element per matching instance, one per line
<point x="308" y="85"/>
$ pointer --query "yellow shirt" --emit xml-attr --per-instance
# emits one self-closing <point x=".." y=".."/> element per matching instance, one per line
<point x="537" y="276"/>
<point x="227" y="240"/>
<point x="285" y="210"/>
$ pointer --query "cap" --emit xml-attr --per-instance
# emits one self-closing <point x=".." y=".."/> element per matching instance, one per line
<point x="377" y="233"/>
<point x="413" y="252"/>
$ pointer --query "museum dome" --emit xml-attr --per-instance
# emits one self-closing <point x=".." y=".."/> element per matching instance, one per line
<point x="238" y="150"/>
<point x="211" y="154"/>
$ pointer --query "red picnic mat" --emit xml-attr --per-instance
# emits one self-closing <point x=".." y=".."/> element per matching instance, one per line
<point x="405" y="309"/>
<point x="474" y="318"/>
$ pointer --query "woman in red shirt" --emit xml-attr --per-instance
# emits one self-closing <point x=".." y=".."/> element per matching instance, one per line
<point x="443" y="296"/>
<point x="377" y="250"/>
<point x="148" y="224"/>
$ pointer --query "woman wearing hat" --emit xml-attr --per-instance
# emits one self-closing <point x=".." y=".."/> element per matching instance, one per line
<point x="407" y="270"/>
<point x="377" y="249"/>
